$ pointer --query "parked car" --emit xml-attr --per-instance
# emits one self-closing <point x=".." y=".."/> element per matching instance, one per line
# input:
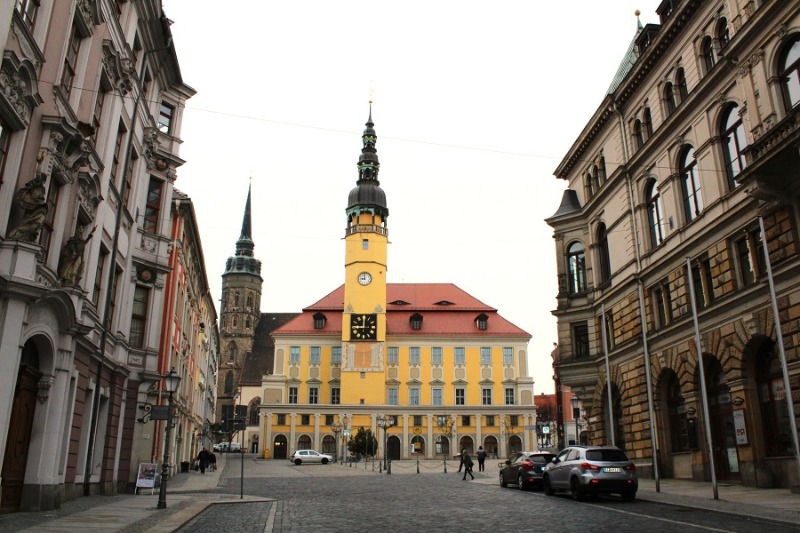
<point x="222" y="447"/>
<point x="310" y="456"/>
<point x="583" y="470"/>
<point x="524" y="469"/>
<point x="235" y="447"/>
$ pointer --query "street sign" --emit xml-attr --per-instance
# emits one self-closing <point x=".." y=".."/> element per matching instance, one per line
<point x="545" y="429"/>
<point x="529" y="427"/>
<point x="346" y="432"/>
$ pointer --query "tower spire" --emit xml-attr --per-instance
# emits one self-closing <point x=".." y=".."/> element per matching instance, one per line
<point x="244" y="259"/>
<point x="368" y="195"/>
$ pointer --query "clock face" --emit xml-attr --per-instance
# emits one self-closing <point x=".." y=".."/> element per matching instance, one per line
<point x="365" y="278"/>
<point x="363" y="327"/>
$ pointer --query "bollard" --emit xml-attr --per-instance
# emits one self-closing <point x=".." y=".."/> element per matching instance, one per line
<point x="418" y="464"/>
<point x="389" y="467"/>
<point x="380" y="466"/>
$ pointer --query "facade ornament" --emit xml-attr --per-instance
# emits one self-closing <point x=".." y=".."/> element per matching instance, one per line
<point x="32" y="199"/>
<point x="13" y="88"/>
<point x="70" y="264"/>
<point x="44" y="386"/>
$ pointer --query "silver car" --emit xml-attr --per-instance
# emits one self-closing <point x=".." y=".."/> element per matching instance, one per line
<point x="583" y="470"/>
<point x="310" y="456"/>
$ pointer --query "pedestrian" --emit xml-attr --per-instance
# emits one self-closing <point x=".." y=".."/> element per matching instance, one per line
<point x="481" y="458"/>
<point x="212" y="461"/>
<point x="468" y="467"/>
<point x="202" y="460"/>
<point x="461" y="458"/>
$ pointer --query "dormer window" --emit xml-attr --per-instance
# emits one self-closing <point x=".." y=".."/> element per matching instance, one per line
<point x="399" y="302"/>
<point x="444" y="302"/>
<point x="416" y="321"/>
<point x="319" y="321"/>
<point x="482" y="321"/>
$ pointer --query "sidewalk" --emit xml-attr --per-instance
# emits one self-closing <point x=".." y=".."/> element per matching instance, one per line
<point x="186" y="499"/>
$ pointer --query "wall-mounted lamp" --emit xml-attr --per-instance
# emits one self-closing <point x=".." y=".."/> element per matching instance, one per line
<point x="738" y="401"/>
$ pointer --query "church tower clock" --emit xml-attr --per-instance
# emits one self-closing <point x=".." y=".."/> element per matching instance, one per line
<point x="240" y="311"/>
<point x="364" y="316"/>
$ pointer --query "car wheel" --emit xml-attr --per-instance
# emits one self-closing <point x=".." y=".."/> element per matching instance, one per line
<point x="324" y="460"/>
<point x="628" y="496"/>
<point x="576" y="490"/>
<point x="520" y="483"/>
<point x="297" y="462"/>
<point x="502" y="481"/>
<point x="548" y="489"/>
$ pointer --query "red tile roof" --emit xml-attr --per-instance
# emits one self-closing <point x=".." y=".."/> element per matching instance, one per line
<point x="445" y="309"/>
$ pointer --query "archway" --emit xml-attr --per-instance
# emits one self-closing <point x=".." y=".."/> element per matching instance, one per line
<point x="19" y="428"/>
<point x="619" y="422"/>
<point x="720" y="411"/>
<point x="466" y="443"/>
<point x="280" y="447"/>
<point x="442" y="445"/>
<point x="490" y="445"/>
<point x="329" y="445"/>
<point x="393" y="447"/>
<point x="514" y="445"/>
<point x="418" y="444"/>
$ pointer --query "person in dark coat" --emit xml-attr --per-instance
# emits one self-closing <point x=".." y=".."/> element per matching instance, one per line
<point x="468" y="466"/>
<point x="481" y="458"/>
<point x="212" y="462"/>
<point x="461" y="458"/>
<point x="202" y="460"/>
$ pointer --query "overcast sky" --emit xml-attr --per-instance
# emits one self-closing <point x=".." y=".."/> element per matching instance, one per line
<point x="475" y="105"/>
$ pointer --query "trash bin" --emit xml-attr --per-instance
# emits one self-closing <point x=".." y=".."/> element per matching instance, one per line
<point x="185" y="466"/>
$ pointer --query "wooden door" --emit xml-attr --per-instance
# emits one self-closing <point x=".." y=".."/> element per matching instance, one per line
<point x="19" y="436"/>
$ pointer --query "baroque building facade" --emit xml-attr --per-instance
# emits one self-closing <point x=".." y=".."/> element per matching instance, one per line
<point x="678" y="237"/>
<point x="91" y="104"/>
<point x="445" y="371"/>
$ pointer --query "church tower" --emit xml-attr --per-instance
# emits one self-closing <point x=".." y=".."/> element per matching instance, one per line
<point x="364" y="315"/>
<point x="240" y="311"/>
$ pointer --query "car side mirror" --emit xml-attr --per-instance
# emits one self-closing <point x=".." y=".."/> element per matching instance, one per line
<point x="555" y="460"/>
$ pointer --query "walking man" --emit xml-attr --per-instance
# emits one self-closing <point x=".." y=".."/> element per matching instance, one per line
<point x="461" y="458"/>
<point x="467" y="467"/>
<point x="202" y="459"/>
<point x="481" y="458"/>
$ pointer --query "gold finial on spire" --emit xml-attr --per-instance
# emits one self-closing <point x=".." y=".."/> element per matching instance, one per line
<point x="637" y="12"/>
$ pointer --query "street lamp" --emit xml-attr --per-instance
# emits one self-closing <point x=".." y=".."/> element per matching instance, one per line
<point x="171" y="381"/>
<point x="576" y="405"/>
<point x="336" y="427"/>
<point x="384" y="423"/>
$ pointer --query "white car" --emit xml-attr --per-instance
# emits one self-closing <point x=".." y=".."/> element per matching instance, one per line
<point x="310" y="456"/>
<point x="235" y="447"/>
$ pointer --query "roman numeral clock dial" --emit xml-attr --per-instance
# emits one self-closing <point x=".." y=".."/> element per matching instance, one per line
<point x="363" y="327"/>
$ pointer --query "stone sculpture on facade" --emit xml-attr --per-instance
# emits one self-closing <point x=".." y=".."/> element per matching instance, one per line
<point x="32" y="199"/>
<point x="70" y="265"/>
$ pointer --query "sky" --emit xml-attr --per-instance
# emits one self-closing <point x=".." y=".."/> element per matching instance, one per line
<point x="475" y="104"/>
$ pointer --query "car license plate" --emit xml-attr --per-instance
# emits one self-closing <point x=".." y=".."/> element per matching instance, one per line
<point x="612" y="469"/>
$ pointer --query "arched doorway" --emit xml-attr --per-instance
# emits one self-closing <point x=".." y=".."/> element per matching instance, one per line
<point x="304" y="443"/>
<point x="329" y="445"/>
<point x="514" y="445"/>
<point x="19" y="428"/>
<point x="393" y="447"/>
<point x="619" y="422"/>
<point x="279" y="447"/>
<point x="442" y="446"/>
<point x="418" y="445"/>
<point x="673" y="428"/>
<point x="490" y="445"/>
<point x="723" y="432"/>
<point x="466" y="443"/>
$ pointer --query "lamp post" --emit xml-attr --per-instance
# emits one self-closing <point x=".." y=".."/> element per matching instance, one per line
<point x="576" y="405"/>
<point x="336" y="427"/>
<point x="384" y="423"/>
<point x="345" y="433"/>
<point x="171" y="381"/>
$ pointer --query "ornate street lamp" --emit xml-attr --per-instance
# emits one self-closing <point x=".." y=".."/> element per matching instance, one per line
<point x="336" y="427"/>
<point x="171" y="381"/>
<point x="576" y="406"/>
<point x="384" y="423"/>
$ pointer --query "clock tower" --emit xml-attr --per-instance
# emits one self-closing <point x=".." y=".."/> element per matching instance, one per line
<point x="366" y="247"/>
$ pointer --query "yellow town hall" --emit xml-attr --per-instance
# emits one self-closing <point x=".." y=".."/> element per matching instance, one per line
<point x="433" y="366"/>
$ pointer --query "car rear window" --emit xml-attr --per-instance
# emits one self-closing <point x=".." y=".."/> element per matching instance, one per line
<point x="541" y="459"/>
<point x="606" y="455"/>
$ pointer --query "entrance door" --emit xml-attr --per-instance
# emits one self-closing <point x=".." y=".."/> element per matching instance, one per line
<point x="279" y="448"/>
<point x="19" y="437"/>
<point x="393" y="448"/>
<point x="723" y="432"/>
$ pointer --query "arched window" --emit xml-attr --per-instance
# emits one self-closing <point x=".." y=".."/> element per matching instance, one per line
<point x="236" y="299"/>
<point x="722" y="33"/>
<point x="589" y="186"/>
<point x="678" y="425"/>
<point x="647" y="122"/>
<point x="576" y="265"/>
<point x="708" y="54"/>
<point x="249" y="301"/>
<point x="655" y="216"/>
<point x="733" y="142"/>
<point x="680" y="82"/>
<point x="790" y="73"/>
<point x="771" y="397"/>
<point x="596" y="178"/>
<point x="690" y="184"/>
<point x="601" y="169"/>
<point x="669" y="99"/>
<point x="232" y="351"/>
<point x="229" y="382"/>
<point x="638" y="140"/>
<point x="604" y="258"/>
